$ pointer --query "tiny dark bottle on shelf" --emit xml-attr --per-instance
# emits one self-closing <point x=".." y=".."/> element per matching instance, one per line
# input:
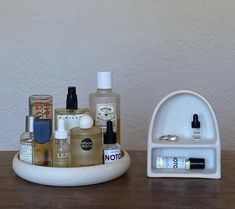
<point x="196" y="128"/>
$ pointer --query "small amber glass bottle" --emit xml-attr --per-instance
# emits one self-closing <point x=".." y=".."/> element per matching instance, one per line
<point x="86" y="143"/>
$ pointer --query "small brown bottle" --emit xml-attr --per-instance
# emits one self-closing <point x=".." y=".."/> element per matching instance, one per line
<point x="86" y="143"/>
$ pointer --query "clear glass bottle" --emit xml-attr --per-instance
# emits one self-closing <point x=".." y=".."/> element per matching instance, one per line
<point x="26" y="141"/>
<point x="86" y="143"/>
<point x="179" y="163"/>
<point x="42" y="142"/>
<point x="196" y="132"/>
<point x="61" y="147"/>
<point x="71" y="114"/>
<point x="41" y="106"/>
<point x="112" y="150"/>
<point x="104" y="104"/>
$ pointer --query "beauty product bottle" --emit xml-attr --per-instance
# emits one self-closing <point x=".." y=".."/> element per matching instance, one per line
<point x="112" y="150"/>
<point x="41" y="106"/>
<point x="61" y="147"/>
<point x="72" y="113"/>
<point x="180" y="163"/>
<point x="86" y="143"/>
<point x="104" y="104"/>
<point x="42" y="142"/>
<point x="196" y="128"/>
<point x="26" y="141"/>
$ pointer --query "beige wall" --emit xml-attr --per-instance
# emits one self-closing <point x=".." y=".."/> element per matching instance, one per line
<point x="153" y="48"/>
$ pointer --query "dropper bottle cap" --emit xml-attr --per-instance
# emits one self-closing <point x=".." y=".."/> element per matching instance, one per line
<point x="110" y="135"/>
<point x="104" y="80"/>
<point x="61" y="133"/>
<point x="72" y="101"/>
<point x="195" y="123"/>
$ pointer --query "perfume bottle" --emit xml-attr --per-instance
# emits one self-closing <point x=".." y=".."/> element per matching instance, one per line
<point x="112" y="150"/>
<point x="195" y="124"/>
<point x="61" y="147"/>
<point x="42" y="142"/>
<point x="71" y="114"/>
<point x="180" y="163"/>
<point x="41" y="106"/>
<point x="104" y="104"/>
<point x="86" y="143"/>
<point x="26" y="141"/>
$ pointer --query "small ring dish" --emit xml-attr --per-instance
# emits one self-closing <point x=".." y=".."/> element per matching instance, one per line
<point x="73" y="176"/>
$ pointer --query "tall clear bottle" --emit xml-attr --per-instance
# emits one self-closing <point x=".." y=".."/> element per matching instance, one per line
<point x="104" y="104"/>
<point x="61" y="147"/>
<point x="26" y="141"/>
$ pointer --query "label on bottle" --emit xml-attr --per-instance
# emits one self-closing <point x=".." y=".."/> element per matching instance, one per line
<point x="171" y="162"/>
<point x="86" y="144"/>
<point x="104" y="113"/>
<point x="70" y="121"/>
<point x="63" y="155"/>
<point x="26" y="152"/>
<point x="112" y="155"/>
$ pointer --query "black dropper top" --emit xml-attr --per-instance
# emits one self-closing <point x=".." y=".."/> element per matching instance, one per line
<point x="72" y="101"/>
<point x="110" y="136"/>
<point x="195" y="122"/>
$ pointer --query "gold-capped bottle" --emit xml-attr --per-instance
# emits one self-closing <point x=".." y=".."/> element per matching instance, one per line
<point x="86" y="143"/>
<point x="42" y="142"/>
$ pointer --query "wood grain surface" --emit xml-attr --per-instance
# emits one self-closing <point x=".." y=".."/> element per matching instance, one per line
<point x="132" y="190"/>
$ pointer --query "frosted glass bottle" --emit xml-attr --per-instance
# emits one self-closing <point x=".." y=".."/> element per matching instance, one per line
<point x="61" y="146"/>
<point x="86" y="143"/>
<point x="104" y="104"/>
<point x="26" y="141"/>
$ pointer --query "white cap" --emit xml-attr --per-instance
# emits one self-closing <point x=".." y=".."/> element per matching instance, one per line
<point x="104" y="80"/>
<point x="86" y="121"/>
<point x="61" y="133"/>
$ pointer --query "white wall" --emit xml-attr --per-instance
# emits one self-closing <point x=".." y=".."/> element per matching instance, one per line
<point x="153" y="48"/>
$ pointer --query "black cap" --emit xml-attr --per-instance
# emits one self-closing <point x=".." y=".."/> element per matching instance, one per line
<point x="42" y="130"/>
<point x="72" y="101"/>
<point x="195" y="122"/>
<point x="110" y="136"/>
<point x="197" y="163"/>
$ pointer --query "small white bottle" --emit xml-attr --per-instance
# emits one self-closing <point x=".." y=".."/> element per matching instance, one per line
<point x="61" y="146"/>
<point x="26" y="141"/>
<point x="112" y="150"/>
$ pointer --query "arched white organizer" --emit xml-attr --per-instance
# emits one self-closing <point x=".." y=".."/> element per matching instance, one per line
<point x="74" y="176"/>
<point x="173" y="116"/>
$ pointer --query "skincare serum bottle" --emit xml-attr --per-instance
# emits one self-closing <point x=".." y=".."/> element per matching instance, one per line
<point x="42" y="142"/>
<point x="86" y="143"/>
<point x="26" y="141"/>
<point x="195" y="128"/>
<point x="112" y="150"/>
<point x="104" y="104"/>
<point x="61" y="147"/>
<point x="72" y="113"/>
<point x="180" y="163"/>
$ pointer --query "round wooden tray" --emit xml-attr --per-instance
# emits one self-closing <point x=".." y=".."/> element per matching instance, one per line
<point x="73" y="176"/>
